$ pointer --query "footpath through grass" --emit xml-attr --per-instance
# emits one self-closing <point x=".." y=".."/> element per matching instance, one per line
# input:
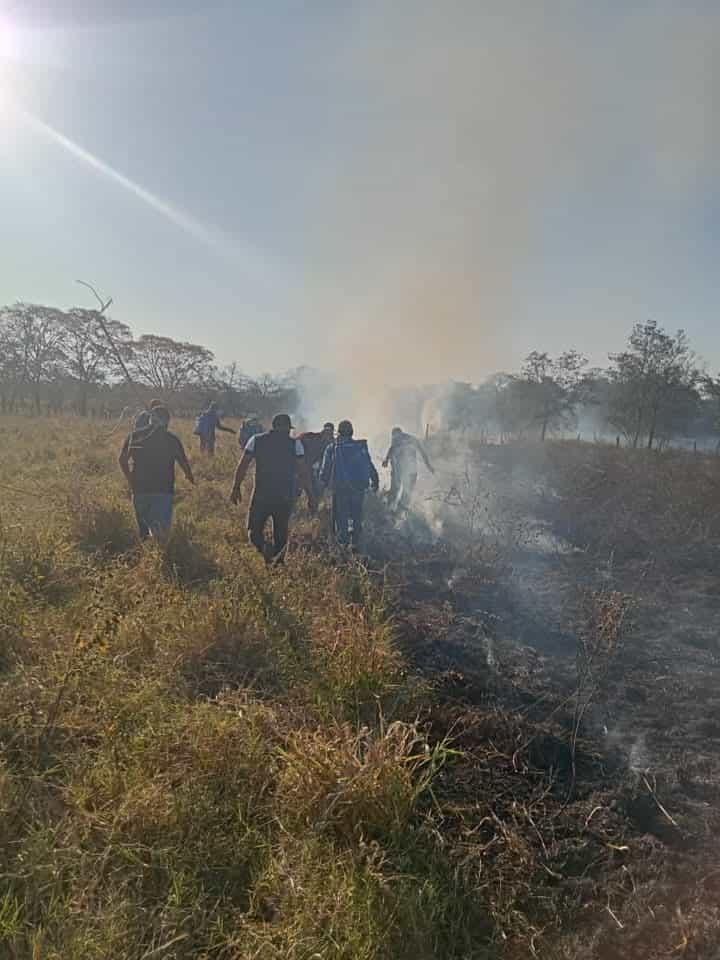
<point x="198" y="758"/>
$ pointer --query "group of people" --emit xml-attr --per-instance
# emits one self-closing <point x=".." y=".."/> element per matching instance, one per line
<point x="285" y="466"/>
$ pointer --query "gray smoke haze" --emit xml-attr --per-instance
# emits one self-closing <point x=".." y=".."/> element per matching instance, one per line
<point x="462" y="121"/>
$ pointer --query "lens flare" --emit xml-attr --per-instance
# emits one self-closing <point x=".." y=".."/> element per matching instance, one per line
<point x="181" y="219"/>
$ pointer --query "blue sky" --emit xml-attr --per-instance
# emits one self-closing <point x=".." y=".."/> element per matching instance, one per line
<point x="411" y="190"/>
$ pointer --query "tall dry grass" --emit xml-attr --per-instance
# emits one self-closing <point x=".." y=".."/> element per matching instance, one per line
<point x="199" y="758"/>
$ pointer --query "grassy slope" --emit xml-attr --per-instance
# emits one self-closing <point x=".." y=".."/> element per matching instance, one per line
<point x="200" y="759"/>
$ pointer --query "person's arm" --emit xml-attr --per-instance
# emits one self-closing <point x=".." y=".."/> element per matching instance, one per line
<point x="374" y="478"/>
<point x="220" y="426"/>
<point x="124" y="461"/>
<point x="184" y="464"/>
<point x="240" y="473"/>
<point x="327" y="466"/>
<point x="386" y="461"/>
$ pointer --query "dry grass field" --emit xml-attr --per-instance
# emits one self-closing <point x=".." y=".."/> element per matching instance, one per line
<point x="469" y="746"/>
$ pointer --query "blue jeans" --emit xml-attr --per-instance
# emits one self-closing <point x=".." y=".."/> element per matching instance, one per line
<point x="153" y="512"/>
<point x="348" y="515"/>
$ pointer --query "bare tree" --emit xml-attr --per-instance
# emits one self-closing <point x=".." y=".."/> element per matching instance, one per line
<point x="88" y="354"/>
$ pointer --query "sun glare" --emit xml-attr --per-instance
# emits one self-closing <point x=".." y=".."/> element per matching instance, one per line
<point x="8" y="41"/>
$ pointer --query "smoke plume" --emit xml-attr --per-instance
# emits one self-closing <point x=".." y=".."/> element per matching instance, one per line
<point x="461" y="122"/>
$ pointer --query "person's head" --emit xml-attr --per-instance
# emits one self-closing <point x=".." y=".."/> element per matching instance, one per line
<point x="160" y="416"/>
<point x="212" y="406"/>
<point x="396" y="432"/>
<point x="329" y="429"/>
<point x="282" y="423"/>
<point x="155" y="403"/>
<point x="345" y="430"/>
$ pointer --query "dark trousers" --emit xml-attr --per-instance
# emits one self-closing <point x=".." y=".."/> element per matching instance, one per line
<point x="348" y="516"/>
<point x="207" y="444"/>
<point x="262" y="510"/>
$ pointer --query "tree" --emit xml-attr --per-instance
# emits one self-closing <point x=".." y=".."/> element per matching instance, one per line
<point x="465" y="405"/>
<point x="709" y="414"/>
<point x="32" y="339"/>
<point x="651" y="376"/>
<point x="268" y="394"/>
<point x="167" y="365"/>
<point x="547" y="391"/>
<point x="89" y="357"/>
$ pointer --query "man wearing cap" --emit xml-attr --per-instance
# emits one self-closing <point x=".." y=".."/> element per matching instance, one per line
<point x="147" y="460"/>
<point x="278" y="459"/>
<point x="142" y="420"/>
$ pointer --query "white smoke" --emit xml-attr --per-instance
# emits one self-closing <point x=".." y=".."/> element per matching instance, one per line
<point x="460" y="120"/>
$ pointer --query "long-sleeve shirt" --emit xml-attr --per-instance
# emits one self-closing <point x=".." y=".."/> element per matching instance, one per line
<point x="403" y="453"/>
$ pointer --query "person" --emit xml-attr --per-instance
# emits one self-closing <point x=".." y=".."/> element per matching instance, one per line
<point x="315" y="445"/>
<point x="147" y="460"/>
<point x="206" y="425"/>
<point x="278" y="459"/>
<point x="249" y="429"/>
<point x="347" y="470"/>
<point x="142" y="420"/>
<point x="402" y="458"/>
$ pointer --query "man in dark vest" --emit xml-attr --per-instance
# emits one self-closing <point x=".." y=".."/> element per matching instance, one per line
<point x="278" y="459"/>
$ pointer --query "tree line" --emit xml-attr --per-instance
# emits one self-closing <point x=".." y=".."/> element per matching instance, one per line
<point x="79" y="361"/>
<point x="652" y="393"/>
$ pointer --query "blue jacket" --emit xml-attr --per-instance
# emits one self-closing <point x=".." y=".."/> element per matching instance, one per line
<point x="347" y="466"/>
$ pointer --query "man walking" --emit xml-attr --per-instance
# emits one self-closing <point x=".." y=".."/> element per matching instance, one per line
<point x="402" y="457"/>
<point x="206" y="425"/>
<point x="250" y="428"/>
<point x="348" y="471"/>
<point x="147" y="460"/>
<point x="142" y="420"/>
<point x="278" y="459"/>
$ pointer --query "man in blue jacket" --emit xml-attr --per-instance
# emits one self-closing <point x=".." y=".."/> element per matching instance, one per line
<point x="348" y="471"/>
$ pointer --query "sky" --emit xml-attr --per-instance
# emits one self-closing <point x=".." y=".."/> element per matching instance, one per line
<point x="397" y="192"/>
